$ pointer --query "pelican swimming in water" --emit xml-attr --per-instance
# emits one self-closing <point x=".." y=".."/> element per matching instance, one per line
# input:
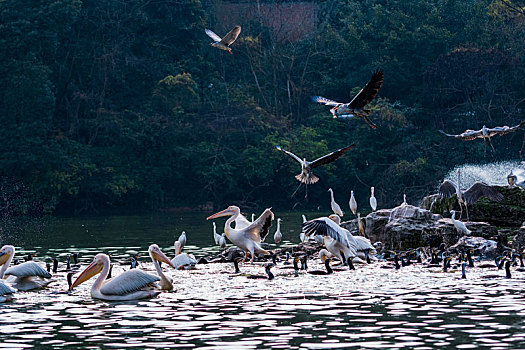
<point x="306" y="176"/>
<point x="247" y="238"/>
<point x="166" y="283"/>
<point x="25" y="276"/>
<point x="182" y="261"/>
<point x="130" y="285"/>
<point x="373" y="200"/>
<point x="365" y="251"/>
<point x="485" y="133"/>
<point x="333" y="204"/>
<point x="460" y="226"/>
<point x="356" y="107"/>
<point x="6" y="293"/>
<point x="470" y="196"/>
<point x="224" y="43"/>
<point x="352" y="203"/>
<point x="278" y="236"/>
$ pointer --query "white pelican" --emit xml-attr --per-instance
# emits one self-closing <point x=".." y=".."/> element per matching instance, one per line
<point x="355" y="108"/>
<point x="224" y="43"/>
<point x="485" y="133"/>
<point x="216" y="236"/>
<point x="247" y="238"/>
<point x="278" y="236"/>
<point x="460" y="226"/>
<point x="352" y="203"/>
<point x="364" y="249"/>
<point x="166" y="283"/>
<point x="470" y="196"/>
<point x="335" y="207"/>
<point x="25" y="276"/>
<point x="182" y="240"/>
<point x="130" y="285"/>
<point x="306" y="176"/>
<point x="373" y="200"/>
<point x="337" y="240"/>
<point x="6" y="293"/>
<point x="182" y="261"/>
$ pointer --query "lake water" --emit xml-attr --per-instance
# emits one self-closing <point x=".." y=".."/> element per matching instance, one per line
<point x="372" y="307"/>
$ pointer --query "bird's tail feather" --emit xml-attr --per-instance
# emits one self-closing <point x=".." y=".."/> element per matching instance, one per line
<point x="309" y="180"/>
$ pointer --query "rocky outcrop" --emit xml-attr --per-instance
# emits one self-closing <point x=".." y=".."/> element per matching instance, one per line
<point x="507" y="213"/>
<point x="488" y="249"/>
<point x="408" y="226"/>
<point x="518" y="242"/>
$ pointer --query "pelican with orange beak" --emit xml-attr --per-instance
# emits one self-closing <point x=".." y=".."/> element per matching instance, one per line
<point x="130" y="285"/>
<point x="247" y="238"/>
<point x="26" y="276"/>
<point x="166" y="283"/>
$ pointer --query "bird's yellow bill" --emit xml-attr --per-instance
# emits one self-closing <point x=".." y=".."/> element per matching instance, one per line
<point x="3" y="258"/>
<point x="160" y="256"/>
<point x="224" y="212"/>
<point x="89" y="272"/>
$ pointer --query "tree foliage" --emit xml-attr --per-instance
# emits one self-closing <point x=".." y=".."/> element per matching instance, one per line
<point x="122" y="105"/>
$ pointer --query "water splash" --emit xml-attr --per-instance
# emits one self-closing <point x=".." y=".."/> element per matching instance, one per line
<point x="494" y="174"/>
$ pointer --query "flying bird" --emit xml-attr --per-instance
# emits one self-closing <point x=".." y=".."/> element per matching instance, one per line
<point x="356" y="107"/>
<point x="224" y="43"/>
<point x="485" y="133"/>
<point x="470" y="196"/>
<point x="306" y="176"/>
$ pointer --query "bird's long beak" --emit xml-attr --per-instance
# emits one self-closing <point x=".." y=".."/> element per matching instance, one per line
<point x="224" y="212"/>
<point x="160" y="256"/>
<point x="89" y="272"/>
<point x="3" y="258"/>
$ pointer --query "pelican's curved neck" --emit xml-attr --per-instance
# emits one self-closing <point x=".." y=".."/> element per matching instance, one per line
<point x="102" y="277"/>
<point x="6" y="265"/>
<point x="227" y="224"/>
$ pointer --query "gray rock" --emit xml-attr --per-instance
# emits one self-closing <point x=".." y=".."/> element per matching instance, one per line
<point x="487" y="248"/>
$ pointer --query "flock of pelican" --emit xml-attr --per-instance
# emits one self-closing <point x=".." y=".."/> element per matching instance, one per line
<point x="249" y="236"/>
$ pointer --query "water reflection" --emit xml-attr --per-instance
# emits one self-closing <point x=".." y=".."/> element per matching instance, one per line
<point x="413" y="308"/>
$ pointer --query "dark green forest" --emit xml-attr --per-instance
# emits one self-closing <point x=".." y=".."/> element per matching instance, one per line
<point x="117" y="106"/>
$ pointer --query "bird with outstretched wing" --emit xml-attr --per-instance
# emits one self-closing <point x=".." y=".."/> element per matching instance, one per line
<point x="224" y="43"/>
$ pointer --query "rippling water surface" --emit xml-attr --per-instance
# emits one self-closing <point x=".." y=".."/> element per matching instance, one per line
<point x="372" y="307"/>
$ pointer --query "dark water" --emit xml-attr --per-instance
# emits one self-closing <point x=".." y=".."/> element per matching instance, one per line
<point x="413" y="308"/>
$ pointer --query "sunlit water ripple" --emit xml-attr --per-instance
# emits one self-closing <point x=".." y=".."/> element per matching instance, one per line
<point x="412" y="308"/>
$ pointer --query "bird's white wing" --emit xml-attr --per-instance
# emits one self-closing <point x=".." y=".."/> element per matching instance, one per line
<point x="290" y="154"/>
<point x="183" y="260"/>
<point x="128" y="282"/>
<point x="5" y="289"/>
<point x="241" y="222"/>
<point x="27" y="269"/>
<point x="363" y="243"/>
<point x="326" y="227"/>
<point x="212" y="35"/>
<point x="259" y="229"/>
<point x="325" y="101"/>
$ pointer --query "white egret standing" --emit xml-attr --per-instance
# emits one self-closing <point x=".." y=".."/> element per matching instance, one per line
<point x="247" y="238"/>
<point x="222" y="241"/>
<point x="182" y="240"/>
<point x="278" y="236"/>
<point x="352" y="203"/>
<point x="335" y="207"/>
<point x="216" y="236"/>
<point x="460" y="226"/>
<point x="373" y="200"/>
